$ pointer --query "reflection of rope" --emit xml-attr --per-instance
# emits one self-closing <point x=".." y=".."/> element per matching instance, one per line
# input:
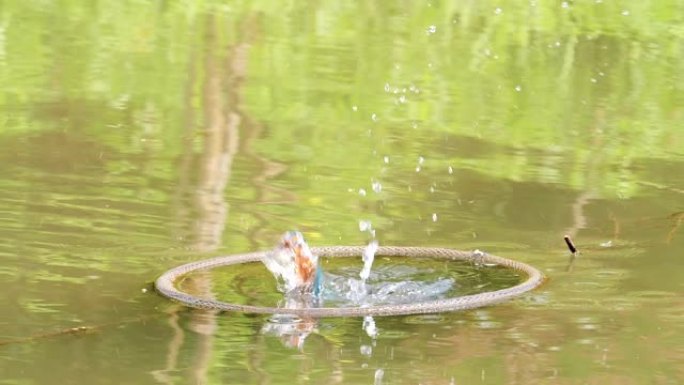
<point x="165" y="284"/>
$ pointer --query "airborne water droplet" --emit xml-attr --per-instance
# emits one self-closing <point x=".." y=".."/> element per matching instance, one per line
<point x="377" y="187"/>
<point x="365" y="225"/>
<point x="362" y="192"/>
<point x="379" y="373"/>
<point x="434" y="217"/>
<point x="366" y="350"/>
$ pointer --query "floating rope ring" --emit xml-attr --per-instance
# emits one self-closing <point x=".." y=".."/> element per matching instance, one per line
<point x="165" y="284"/>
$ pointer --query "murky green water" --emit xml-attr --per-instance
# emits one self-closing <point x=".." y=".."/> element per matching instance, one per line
<point x="136" y="136"/>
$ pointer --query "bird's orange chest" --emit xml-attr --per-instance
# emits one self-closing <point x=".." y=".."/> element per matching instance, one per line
<point x="304" y="268"/>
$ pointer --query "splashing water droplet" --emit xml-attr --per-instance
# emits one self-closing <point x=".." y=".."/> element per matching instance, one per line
<point x="432" y="189"/>
<point x="565" y="4"/>
<point x="368" y="256"/>
<point x="434" y="217"/>
<point x="369" y="326"/>
<point x="362" y="192"/>
<point x="387" y="87"/>
<point x="364" y="225"/>
<point x="374" y="117"/>
<point x="431" y="29"/>
<point x="377" y="187"/>
<point x="418" y="169"/>
<point x="451" y="170"/>
<point x="498" y="11"/>
<point x="386" y="159"/>
<point x="518" y="88"/>
<point x="379" y="373"/>
<point x="625" y="13"/>
<point x="402" y="99"/>
<point x="421" y="160"/>
<point x="366" y="350"/>
<point x="355" y="108"/>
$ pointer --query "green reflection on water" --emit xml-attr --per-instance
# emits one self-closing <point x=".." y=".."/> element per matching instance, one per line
<point x="135" y="136"/>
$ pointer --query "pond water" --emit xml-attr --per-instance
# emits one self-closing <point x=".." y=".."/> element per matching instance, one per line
<point x="392" y="281"/>
<point x="137" y="136"/>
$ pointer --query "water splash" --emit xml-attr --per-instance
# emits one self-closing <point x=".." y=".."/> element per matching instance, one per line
<point x="377" y="378"/>
<point x="369" y="326"/>
<point x="368" y="257"/>
<point x="281" y="264"/>
<point x="304" y="288"/>
<point x="365" y="225"/>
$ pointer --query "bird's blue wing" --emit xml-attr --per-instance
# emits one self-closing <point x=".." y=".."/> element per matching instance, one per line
<point x="318" y="281"/>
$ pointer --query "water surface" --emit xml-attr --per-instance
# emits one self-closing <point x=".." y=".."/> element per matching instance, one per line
<point x="138" y="136"/>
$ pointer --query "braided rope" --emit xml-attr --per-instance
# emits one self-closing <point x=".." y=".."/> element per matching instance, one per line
<point x="166" y="287"/>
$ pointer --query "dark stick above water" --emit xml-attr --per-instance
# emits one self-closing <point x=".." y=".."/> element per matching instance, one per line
<point x="571" y="245"/>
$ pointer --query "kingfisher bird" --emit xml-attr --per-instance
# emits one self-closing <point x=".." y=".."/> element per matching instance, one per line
<point x="294" y="265"/>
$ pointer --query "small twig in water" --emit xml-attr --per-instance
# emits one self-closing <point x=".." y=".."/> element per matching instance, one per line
<point x="571" y="245"/>
<point x="573" y="250"/>
<point x="73" y="331"/>
<point x="78" y="330"/>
